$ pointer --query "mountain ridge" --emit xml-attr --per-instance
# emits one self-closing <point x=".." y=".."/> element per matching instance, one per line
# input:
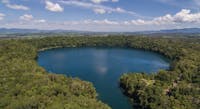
<point x="26" y="31"/>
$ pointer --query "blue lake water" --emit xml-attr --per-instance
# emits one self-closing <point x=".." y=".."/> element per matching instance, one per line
<point x="103" y="67"/>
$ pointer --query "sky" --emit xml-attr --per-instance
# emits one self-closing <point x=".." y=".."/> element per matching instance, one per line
<point x="100" y="15"/>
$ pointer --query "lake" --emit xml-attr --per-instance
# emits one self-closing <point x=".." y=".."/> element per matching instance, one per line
<point x="103" y="67"/>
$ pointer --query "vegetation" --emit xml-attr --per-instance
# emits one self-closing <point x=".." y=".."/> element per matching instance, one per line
<point x="25" y="85"/>
<point x="178" y="88"/>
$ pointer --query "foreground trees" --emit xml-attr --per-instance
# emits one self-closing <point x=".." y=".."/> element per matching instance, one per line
<point x="25" y="85"/>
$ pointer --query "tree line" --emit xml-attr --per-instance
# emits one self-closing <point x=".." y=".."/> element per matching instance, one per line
<point x="26" y="85"/>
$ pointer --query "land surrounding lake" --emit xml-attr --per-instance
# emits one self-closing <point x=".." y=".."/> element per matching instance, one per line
<point x="103" y="67"/>
<point x="25" y="84"/>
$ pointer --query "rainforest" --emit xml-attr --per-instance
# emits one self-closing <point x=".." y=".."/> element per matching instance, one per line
<point x="26" y="85"/>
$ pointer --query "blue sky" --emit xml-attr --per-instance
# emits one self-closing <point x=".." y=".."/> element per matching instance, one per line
<point x="100" y="15"/>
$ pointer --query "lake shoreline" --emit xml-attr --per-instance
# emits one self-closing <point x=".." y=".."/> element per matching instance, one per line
<point x="47" y="59"/>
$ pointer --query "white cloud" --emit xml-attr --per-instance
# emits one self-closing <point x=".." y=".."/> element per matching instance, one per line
<point x="104" y="22"/>
<point x="99" y="7"/>
<point x="14" y="6"/>
<point x="30" y="18"/>
<point x="100" y="11"/>
<point x="2" y="16"/>
<point x="114" y="0"/>
<point x="54" y="7"/>
<point x="92" y="22"/>
<point x="17" y="7"/>
<point x="40" y="21"/>
<point x="120" y="10"/>
<point x="99" y="1"/>
<point x="26" y="17"/>
<point x="184" y="19"/>
<point x="184" y="16"/>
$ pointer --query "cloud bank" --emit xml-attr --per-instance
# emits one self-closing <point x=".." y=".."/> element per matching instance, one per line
<point x="184" y="16"/>
<point x="185" y="19"/>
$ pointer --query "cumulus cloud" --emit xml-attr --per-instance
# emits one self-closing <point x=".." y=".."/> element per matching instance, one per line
<point x="14" y="6"/>
<point x="184" y="16"/>
<point x="26" y="17"/>
<point x="30" y="18"/>
<point x="2" y="16"/>
<point x="184" y="19"/>
<point x="54" y="7"/>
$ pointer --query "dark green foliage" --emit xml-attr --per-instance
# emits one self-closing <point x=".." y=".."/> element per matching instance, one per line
<point x="25" y="85"/>
<point x="178" y="88"/>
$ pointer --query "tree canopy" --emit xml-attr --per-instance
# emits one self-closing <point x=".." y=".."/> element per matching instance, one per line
<point x="26" y="85"/>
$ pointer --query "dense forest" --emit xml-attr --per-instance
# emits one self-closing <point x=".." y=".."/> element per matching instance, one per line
<point x="26" y="85"/>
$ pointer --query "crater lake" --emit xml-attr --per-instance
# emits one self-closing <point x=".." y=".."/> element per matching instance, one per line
<point x="102" y="67"/>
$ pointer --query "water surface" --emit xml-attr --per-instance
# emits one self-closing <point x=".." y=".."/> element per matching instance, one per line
<point x="103" y="67"/>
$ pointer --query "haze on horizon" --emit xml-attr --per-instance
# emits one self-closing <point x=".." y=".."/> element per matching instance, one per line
<point x="100" y="15"/>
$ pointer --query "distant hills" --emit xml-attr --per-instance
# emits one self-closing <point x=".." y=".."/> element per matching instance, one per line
<point x="181" y="31"/>
<point x="6" y="31"/>
<point x="186" y="30"/>
<point x="24" y="31"/>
